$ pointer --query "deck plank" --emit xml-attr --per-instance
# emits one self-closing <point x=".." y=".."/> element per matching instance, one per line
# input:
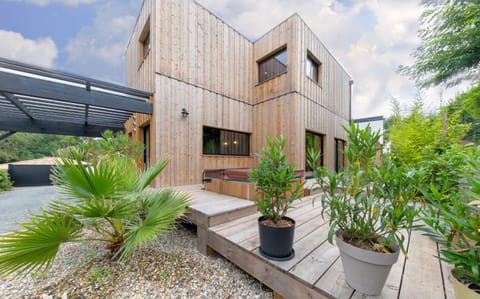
<point x="316" y="263"/>
<point x="422" y="277"/>
<point x="304" y="246"/>
<point x="333" y="281"/>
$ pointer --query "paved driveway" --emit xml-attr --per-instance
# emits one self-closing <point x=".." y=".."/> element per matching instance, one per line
<point x="17" y="204"/>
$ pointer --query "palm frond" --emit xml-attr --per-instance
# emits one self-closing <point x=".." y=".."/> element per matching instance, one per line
<point x="163" y="207"/>
<point x="79" y="181"/>
<point x="150" y="174"/>
<point x="34" y="248"/>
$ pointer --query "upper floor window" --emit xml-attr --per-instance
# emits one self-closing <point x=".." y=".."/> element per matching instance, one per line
<point x="315" y="141"/>
<point x="144" y="42"/>
<point x="225" y="142"/>
<point x="272" y="66"/>
<point x="313" y="68"/>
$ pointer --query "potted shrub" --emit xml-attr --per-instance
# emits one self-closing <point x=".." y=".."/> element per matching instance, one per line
<point x="453" y="220"/>
<point x="368" y="207"/>
<point x="276" y="189"/>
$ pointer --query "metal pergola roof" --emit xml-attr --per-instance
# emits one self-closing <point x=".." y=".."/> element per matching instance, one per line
<point x="39" y="100"/>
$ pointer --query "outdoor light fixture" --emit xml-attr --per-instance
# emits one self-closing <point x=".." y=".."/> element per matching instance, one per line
<point x="184" y="112"/>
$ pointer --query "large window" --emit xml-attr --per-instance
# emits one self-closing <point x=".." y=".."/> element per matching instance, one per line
<point x="225" y="142"/>
<point x="339" y="155"/>
<point x="272" y="66"/>
<point x="313" y="68"/>
<point x="315" y="141"/>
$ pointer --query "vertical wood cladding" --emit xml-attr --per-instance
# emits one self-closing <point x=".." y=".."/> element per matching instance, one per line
<point x="199" y="63"/>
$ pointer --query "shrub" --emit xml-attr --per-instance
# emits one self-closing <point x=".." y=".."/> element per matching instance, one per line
<point x="5" y="183"/>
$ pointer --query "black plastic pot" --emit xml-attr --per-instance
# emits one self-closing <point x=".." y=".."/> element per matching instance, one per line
<point x="276" y="243"/>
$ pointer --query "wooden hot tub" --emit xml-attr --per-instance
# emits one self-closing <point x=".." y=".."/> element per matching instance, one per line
<point x="233" y="181"/>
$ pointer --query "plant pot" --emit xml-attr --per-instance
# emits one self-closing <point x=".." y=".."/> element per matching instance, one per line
<point x="366" y="271"/>
<point x="276" y="243"/>
<point x="461" y="290"/>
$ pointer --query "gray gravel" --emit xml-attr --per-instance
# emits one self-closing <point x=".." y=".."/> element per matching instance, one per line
<point x="170" y="267"/>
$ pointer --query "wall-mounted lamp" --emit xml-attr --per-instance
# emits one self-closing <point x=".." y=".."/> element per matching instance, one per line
<point x="184" y="112"/>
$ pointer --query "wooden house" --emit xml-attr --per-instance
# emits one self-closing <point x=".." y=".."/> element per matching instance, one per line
<point x="218" y="95"/>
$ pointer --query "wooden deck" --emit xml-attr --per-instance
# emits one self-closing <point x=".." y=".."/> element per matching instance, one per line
<point x="210" y="209"/>
<point x="316" y="270"/>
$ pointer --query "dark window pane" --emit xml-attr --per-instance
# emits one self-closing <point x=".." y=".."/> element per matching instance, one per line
<point x="315" y="141"/>
<point x="146" y="44"/>
<point x="272" y="66"/>
<point x="339" y="155"/>
<point x="225" y="142"/>
<point x="146" y="149"/>
<point x="312" y="69"/>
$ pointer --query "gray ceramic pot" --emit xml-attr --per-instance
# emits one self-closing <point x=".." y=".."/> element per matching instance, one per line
<point x="366" y="271"/>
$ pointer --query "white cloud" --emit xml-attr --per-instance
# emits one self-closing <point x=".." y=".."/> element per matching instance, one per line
<point x="41" y="52"/>
<point x="65" y="2"/>
<point x="98" y="50"/>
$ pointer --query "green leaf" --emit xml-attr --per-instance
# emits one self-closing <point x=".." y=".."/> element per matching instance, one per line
<point x="34" y="248"/>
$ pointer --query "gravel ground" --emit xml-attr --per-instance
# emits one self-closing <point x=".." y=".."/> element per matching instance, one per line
<point x="170" y="267"/>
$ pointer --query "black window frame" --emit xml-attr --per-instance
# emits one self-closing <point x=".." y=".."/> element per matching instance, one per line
<point x="338" y="166"/>
<point x="263" y="65"/>
<point x="225" y="138"/>
<point x="320" y="162"/>
<point x="146" y="146"/>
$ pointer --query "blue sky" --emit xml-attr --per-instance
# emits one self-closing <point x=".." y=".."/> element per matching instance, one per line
<point x="370" y="38"/>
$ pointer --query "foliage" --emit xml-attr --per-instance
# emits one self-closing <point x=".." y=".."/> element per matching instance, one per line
<point x="443" y="168"/>
<point x="368" y="203"/>
<point x="450" y="33"/>
<point x="109" y="200"/>
<point x="5" y="183"/>
<point x="455" y="223"/>
<point x="411" y="134"/>
<point x="27" y="146"/>
<point x="110" y="145"/>
<point x="276" y="184"/>
<point x="466" y="107"/>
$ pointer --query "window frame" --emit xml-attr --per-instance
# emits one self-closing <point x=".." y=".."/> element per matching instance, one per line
<point x="321" y="163"/>
<point x="143" y="51"/>
<point x="337" y="154"/>
<point x="268" y="57"/>
<point x="219" y="145"/>
<point x="315" y="61"/>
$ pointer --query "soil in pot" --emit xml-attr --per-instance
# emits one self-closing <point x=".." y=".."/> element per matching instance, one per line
<point x="276" y="242"/>
<point x="366" y="271"/>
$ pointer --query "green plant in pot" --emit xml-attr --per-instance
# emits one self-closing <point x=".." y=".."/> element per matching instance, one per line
<point x="455" y="224"/>
<point x="276" y="188"/>
<point x="368" y="208"/>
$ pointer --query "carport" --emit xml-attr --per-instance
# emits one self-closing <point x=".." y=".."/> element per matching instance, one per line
<point x="39" y="100"/>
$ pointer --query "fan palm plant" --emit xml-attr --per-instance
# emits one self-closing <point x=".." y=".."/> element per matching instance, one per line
<point x="107" y="202"/>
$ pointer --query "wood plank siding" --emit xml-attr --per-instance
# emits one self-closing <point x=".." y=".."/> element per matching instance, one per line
<point x="200" y="63"/>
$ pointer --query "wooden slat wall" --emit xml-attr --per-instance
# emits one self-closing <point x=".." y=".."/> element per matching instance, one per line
<point x="180" y="138"/>
<point x="200" y="63"/>
<point x="305" y="105"/>
<point x="197" y="47"/>
<point x="141" y="73"/>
